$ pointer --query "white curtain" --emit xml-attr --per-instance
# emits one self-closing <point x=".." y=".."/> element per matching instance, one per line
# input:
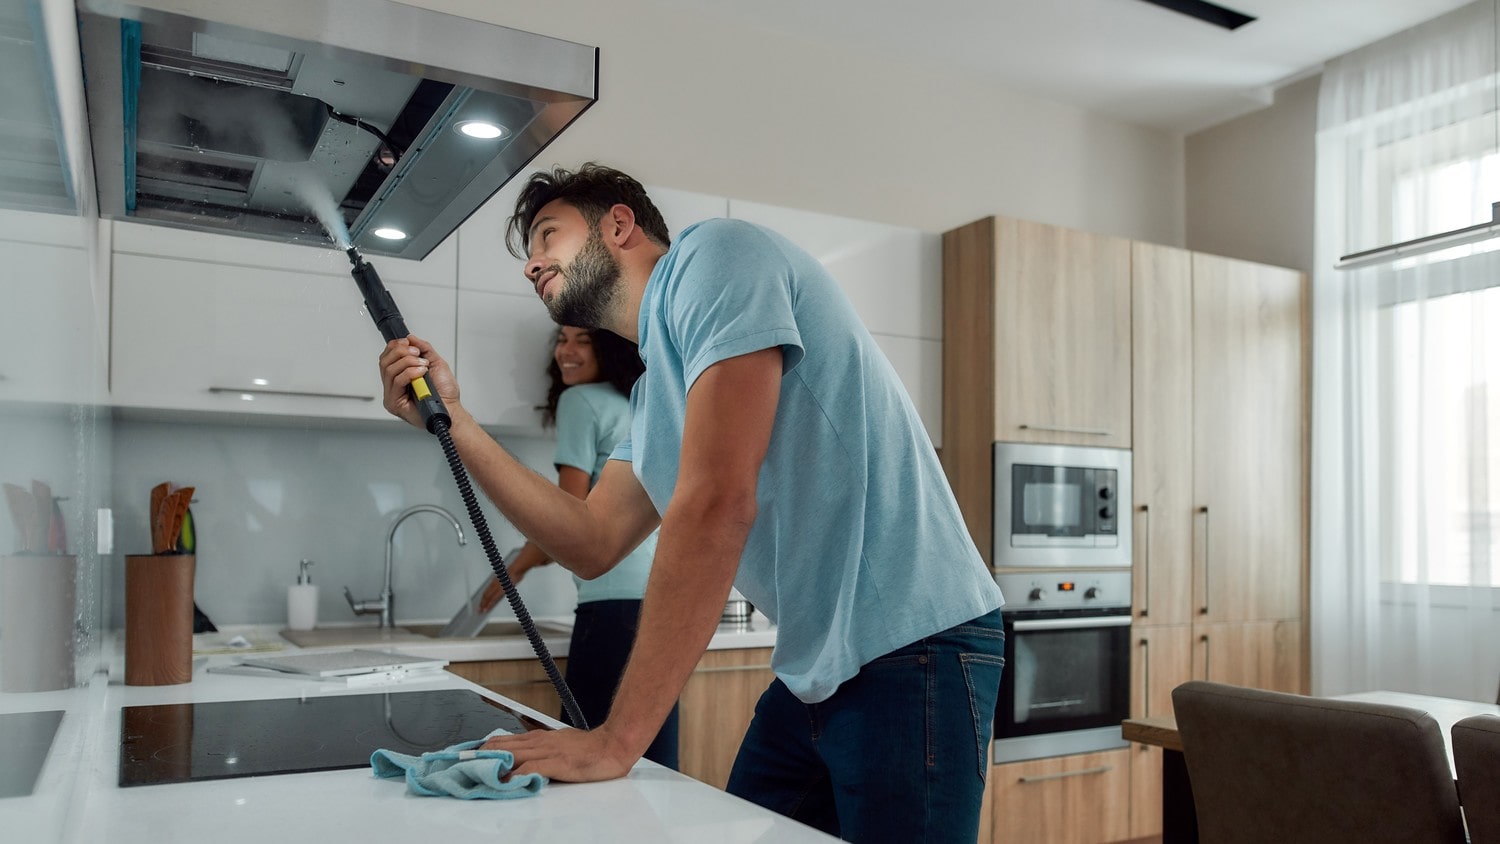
<point x="1406" y="368"/>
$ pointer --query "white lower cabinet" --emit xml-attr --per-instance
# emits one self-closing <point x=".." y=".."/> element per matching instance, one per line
<point x="198" y="336"/>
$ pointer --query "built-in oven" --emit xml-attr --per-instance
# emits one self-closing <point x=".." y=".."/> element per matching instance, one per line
<point x="1061" y="506"/>
<point x="1066" y="684"/>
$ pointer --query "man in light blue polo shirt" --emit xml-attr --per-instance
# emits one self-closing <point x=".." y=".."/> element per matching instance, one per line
<point x="783" y="456"/>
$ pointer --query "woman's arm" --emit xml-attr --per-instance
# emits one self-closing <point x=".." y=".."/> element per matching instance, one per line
<point x="573" y="481"/>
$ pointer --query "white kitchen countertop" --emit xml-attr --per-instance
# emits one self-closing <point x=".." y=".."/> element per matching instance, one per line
<point x="77" y="799"/>
<point x="758" y="632"/>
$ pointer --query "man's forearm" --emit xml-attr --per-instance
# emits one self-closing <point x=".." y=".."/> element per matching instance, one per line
<point x="544" y="513"/>
<point x="697" y="555"/>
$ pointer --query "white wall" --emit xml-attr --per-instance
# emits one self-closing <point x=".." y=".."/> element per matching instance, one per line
<point x="1250" y="182"/>
<point x="692" y="102"/>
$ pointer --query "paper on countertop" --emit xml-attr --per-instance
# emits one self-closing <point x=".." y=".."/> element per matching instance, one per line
<point x="235" y="643"/>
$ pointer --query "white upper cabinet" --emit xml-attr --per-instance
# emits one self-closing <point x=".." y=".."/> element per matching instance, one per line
<point x="682" y="208"/>
<point x="893" y="275"/>
<point x="207" y="322"/>
<point x="436" y="270"/>
<point x="47" y="279"/>
<point x="504" y="347"/>
<point x="193" y="335"/>
<point x="894" y="278"/>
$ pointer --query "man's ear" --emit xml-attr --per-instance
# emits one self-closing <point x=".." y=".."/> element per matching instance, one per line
<point x="621" y="223"/>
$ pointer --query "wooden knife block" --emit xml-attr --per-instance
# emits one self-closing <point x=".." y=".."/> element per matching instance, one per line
<point x="159" y="619"/>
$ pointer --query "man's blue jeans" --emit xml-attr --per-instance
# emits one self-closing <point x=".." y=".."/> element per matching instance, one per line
<point x="899" y="753"/>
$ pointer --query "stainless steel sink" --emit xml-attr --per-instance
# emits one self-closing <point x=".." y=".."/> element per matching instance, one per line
<point x="494" y="629"/>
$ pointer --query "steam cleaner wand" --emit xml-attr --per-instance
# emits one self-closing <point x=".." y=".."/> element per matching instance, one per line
<point x="435" y="418"/>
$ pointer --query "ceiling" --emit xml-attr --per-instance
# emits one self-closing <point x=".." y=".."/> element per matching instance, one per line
<point x="1125" y="58"/>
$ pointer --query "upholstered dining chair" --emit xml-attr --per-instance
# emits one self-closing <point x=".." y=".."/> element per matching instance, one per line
<point x="1476" y="753"/>
<point x="1275" y="767"/>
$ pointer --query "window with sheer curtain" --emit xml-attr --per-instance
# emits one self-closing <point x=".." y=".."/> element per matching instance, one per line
<point x="1442" y="431"/>
<point x="1406" y="367"/>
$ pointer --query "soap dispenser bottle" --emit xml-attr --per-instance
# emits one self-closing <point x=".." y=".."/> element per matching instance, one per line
<point x="302" y="600"/>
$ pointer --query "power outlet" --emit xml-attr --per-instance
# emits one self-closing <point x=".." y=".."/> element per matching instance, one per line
<point x="105" y="524"/>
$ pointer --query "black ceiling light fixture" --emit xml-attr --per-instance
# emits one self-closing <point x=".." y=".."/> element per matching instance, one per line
<point x="1205" y="11"/>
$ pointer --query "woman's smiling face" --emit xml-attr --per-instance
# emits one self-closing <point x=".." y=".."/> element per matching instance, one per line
<point x="574" y="353"/>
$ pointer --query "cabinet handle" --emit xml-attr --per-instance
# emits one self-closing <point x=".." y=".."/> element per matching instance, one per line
<point x="261" y="391"/>
<point x="1146" y="563"/>
<point x="1102" y="769"/>
<point x="1206" y="652"/>
<point x="1203" y="610"/>
<point x="1092" y="432"/>
<point x="722" y="668"/>
<point x="1145" y="678"/>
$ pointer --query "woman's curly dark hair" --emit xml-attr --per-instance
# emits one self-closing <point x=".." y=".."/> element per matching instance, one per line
<point x="619" y="365"/>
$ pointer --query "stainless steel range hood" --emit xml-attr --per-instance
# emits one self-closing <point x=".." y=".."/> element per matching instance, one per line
<point x="259" y="118"/>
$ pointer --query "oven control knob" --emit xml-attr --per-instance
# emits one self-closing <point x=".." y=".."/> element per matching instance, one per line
<point x="1106" y="512"/>
<point x="1093" y="592"/>
<point x="1106" y="493"/>
<point x="1038" y="594"/>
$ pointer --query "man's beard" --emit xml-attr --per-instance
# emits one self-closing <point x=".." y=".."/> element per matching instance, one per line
<point x="591" y="283"/>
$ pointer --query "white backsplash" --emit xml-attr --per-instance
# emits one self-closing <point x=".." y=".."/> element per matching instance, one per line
<point x="269" y="495"/>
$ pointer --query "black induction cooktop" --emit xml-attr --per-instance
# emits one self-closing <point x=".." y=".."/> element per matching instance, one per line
<point x="181" y="742"/>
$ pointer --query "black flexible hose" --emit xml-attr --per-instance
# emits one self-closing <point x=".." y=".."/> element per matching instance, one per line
<point x="398" y="151"/>
<point x="497" y="563"/>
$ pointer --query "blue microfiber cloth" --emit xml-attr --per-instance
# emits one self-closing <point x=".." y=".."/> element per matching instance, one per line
<point x="461" y="771"/>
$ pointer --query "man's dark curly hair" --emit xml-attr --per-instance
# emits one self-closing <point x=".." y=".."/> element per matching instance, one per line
<point x="619" y="366"/>
<point x="593" y="190"/>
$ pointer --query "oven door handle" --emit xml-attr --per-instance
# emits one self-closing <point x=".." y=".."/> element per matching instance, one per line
<point x="1071" y="623"/>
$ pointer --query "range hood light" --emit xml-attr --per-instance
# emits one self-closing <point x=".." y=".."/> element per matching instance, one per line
<point x="390" y="233"/>
<point x="481" y="129"/>
<point x="259" y="382"/>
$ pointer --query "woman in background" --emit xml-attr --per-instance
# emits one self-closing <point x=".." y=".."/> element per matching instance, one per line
<point x="592" y="372"/>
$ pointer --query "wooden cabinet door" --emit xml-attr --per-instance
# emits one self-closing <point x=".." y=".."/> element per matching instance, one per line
<point x="1259" y="655"/>
<point x="1078" y="799"/>
<point x="715" y="709"/>
<point x="1162" y="661"/>
<point x="1249" y="424"/>
<point x="1062" y="325"/>
<point x="1161" y="303"/>
<point x="521" y="680"/>
<point x="969" y="375"/>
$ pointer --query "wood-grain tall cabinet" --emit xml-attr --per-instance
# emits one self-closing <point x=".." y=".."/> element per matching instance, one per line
<point x="1199" y="365"/>
<point x="1220" y="422"/>
<point x="1035" y="318"/>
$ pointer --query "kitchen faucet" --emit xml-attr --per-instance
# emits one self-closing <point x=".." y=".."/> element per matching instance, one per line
<point x="385" y="604"/>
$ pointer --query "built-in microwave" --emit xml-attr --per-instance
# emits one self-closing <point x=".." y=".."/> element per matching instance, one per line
<point x="1061" y="505"/>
